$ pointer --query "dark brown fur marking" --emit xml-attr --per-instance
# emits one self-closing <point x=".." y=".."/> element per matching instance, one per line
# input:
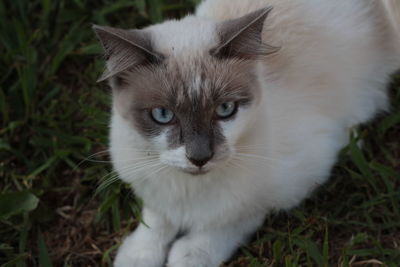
<point x="192" y="90"/>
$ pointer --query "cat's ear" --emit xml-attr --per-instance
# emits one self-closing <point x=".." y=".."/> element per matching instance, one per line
<point x="242" y="37"/>
<point x="125" y="49"/>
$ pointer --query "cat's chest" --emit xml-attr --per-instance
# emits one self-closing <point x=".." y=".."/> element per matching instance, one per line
<point x="185" y="202"/>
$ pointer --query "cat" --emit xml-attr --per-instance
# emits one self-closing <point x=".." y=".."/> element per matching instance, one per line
<point x="236" y="111"/>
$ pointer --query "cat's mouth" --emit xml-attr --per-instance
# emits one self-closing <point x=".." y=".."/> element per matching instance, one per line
<point x="195" y="172"/>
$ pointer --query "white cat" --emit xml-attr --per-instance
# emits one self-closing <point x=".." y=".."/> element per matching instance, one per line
<point x="241" y="109"/>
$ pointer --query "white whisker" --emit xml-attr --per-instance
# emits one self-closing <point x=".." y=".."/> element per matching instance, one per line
<point x="237" y="162"/>
<point x="129" y="169"/>
<point x="255" y="156"/>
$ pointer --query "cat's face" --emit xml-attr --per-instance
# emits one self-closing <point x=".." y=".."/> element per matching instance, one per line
<point x="190" y="108"/>
<point x="192" y="114"/>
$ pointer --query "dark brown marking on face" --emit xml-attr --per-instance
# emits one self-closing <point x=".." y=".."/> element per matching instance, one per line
<point x="192" y="91"/>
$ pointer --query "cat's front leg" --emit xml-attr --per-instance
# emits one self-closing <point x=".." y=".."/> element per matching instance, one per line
<point x="210" y="247"/>
<point x="147" y="245"/>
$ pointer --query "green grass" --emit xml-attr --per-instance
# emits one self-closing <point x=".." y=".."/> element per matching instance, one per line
<point x="54" y="116"/>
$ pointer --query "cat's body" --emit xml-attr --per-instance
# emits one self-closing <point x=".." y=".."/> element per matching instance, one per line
<point x="294" y="113"/>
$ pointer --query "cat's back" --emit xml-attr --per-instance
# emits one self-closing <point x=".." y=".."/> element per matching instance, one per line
<point x="329" y="49"/>
<point x="308" y="19"/>
<point x="289" y="11"/>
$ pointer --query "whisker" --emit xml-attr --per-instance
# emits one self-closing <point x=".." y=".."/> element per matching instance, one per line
<point x="252" y="146"/>
<point x="88" y="158"/>
<point x="136" y="166"/>
<point x="157" y="170"/>
<point x="255" y="156"/>
<point x="124" y="161"/>
<point x="105" y="184"/>
<point x="150" y="165"/>
<point x="115" y="175"/>
<point x="237" y="162"/>
<point x="107" y="151"/>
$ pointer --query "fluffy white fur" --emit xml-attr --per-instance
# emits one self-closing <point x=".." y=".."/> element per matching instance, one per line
<point x="329" y="75"/>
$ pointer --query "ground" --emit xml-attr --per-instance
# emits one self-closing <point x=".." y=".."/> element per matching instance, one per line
<point x="54" y="208"/>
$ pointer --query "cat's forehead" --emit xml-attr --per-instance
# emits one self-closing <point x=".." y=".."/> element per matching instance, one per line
<point x="189" y="36"/>
<point x="203" y="82"/>
<point x="190" y="81"/>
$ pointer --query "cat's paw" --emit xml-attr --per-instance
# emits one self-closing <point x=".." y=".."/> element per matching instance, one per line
<point x="183" y="255"/>
<point x="138" y="259"/>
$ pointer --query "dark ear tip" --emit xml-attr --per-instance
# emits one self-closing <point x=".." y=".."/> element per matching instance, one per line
<point x="263" y="12"/>
<point x="105" y="29"/>
<point x="97" y="28"/>
<point x="102" y="78"/>
<point x="268" y="8"/>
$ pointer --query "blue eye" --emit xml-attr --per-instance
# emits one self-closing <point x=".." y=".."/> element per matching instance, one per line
<point x="162" y="115"/>
<point x="226" y="110"/>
